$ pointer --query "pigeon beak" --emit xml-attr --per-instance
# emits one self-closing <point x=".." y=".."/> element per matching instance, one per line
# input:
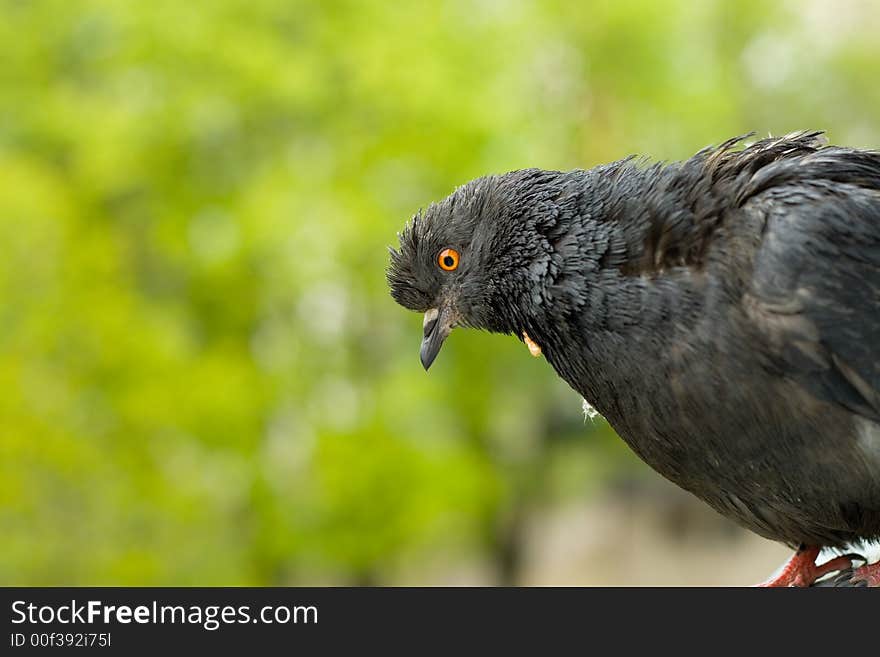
<point x="437" y="327"/>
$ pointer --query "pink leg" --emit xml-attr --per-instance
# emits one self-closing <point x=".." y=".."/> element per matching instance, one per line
<point x="869" y="574"/>
<point x="801" y="569"/>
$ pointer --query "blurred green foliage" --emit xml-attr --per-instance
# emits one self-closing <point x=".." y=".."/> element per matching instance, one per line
<point x="204" y="379"/>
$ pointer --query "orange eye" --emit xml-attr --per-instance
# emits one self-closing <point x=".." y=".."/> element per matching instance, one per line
<point x="448" y="259"/>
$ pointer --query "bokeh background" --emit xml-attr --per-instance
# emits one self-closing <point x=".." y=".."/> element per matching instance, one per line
<point x="203" y="379"/>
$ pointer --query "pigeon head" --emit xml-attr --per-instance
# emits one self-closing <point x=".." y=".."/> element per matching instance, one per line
<point x="465" y="261"/>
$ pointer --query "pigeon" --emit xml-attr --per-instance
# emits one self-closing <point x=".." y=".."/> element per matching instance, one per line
<point x="722" y="313"/>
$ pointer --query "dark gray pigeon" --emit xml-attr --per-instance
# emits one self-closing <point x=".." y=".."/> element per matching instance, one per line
<point x="722" y="313"/>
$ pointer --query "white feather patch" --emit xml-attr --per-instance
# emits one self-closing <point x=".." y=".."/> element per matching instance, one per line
<point x="589" y="411"/>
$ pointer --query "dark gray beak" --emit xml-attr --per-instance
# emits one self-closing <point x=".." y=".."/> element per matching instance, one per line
<point x="437" y="325"/>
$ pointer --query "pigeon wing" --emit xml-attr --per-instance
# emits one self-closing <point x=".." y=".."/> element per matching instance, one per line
<point x="815" y="292"/>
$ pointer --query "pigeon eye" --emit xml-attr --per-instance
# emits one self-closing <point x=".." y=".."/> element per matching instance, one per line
<point x="448" y="259"/>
